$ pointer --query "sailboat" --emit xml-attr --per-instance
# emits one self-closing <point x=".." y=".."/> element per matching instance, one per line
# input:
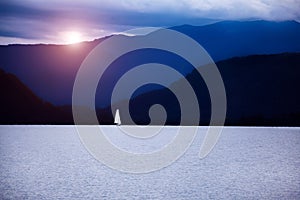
<point x="117" y="118"/>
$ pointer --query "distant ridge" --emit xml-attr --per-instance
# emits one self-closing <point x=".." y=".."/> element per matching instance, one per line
<point x="54" y="67"/>
<point x="262" y="90"/>
<point x="19" y="105"/>
<point x="229" y="39"/>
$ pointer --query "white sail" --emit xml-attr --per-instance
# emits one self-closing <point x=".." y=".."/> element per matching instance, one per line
<point x="117" y="118"/>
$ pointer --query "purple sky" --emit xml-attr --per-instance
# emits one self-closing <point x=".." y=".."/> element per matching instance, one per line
<point x="41" y="21"/>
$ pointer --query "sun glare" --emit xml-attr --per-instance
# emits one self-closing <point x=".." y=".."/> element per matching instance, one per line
<point x="73" y="37"/>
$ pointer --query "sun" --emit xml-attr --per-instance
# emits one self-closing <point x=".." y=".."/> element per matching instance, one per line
<point x="72" y="37"/>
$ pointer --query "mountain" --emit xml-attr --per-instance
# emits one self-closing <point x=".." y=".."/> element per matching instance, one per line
<point x="260" y="89"/>
<point x="229" y="39"/>
<point x="264" y="87"/>
<point x="50" y="70"/>
<point x="19" y="105"/>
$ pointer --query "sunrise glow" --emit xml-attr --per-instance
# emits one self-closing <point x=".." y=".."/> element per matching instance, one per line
<point x="72" y="37"/>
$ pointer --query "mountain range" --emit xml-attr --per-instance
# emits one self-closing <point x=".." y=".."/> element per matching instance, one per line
<point x="260" y="89"/>
<point x="258" y="60"/>
<point x="19" y="105"/>
<point x="50" y="70"/>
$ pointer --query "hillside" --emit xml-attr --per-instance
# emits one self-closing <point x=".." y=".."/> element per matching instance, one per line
<point x="50" y="70"/>
<point x="261" y="90"/>
<point x="229" y="39"/>
<point x="19" y="105"/>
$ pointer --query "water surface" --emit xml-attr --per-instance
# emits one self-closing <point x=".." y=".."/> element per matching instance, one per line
<point x="49" y="162"/>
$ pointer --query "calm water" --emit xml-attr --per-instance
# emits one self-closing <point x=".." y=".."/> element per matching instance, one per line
<point x="49" y="162"/>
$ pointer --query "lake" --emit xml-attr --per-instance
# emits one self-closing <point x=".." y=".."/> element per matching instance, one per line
<point x="50" y="162"/>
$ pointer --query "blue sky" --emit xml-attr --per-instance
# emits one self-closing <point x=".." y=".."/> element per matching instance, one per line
<point x="41" y="21"/>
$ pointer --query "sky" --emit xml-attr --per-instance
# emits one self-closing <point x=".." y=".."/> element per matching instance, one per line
<point x="68" y="21"/>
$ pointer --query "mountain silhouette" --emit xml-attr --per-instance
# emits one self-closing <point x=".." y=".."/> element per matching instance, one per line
<point x="50" y="70"/>
<point x="260" y="89"/>
<point x="229" y="39"/>
<point x="19" y="105"/>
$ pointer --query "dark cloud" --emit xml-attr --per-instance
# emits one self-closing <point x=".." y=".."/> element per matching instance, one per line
<point x="9" y="9"/>
<point x="37" y="19"/>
